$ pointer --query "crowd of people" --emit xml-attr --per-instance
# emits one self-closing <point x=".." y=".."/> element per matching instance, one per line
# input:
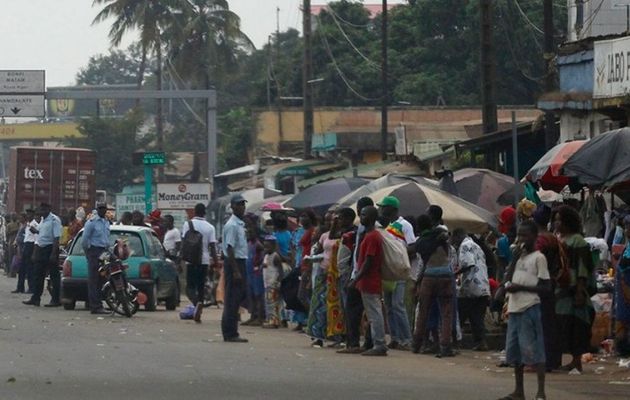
<point x="536" y="275"/>
<point x="323" y="275"/>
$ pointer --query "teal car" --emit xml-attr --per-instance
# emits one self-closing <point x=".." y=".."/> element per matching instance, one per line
<point x="148" y="269"/>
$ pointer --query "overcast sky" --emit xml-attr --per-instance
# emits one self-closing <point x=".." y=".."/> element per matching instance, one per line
<point x="57" y="35"/>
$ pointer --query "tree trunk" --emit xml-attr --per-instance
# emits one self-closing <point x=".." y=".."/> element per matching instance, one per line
<point x="141" y="69"/>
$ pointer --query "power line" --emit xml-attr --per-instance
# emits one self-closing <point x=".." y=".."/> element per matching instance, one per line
<point x="517" y="64"/>
<point x="334" y="13"/>
<point x="370" y="62"/>
<point x="172" y="69"/>
<point x="529" y="21"/>
<point x="591" y="17"/>
<point x="340" y="72"/>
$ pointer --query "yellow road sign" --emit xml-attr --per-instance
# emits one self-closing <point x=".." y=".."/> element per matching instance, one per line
<point x="37" y="131"/>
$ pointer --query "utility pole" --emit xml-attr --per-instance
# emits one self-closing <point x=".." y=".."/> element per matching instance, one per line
<point x="159" y="118"/>
<point x="551" y="134"/>
<point x="384" y="82"/>
<point x="278" y="89"/>
<point x="488" y="69"/>
<point x="269" y="72"/>
<point x="307" y="75"/>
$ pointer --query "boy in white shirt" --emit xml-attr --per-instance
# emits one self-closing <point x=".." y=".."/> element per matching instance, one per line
<point x="525" y="341"/>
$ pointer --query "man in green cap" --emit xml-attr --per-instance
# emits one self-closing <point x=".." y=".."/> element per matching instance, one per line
<point x="395" y="300"/>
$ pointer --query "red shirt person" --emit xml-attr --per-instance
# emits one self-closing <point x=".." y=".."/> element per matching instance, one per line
<point x="368" y="280"/>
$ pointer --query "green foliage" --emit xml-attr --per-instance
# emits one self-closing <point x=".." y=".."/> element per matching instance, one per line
<point x="114" y="68"/>
<point x="433" y="57"/>
<point x="114" y="140"/>
<point x="237" y="129"/>
<point x="433" y="54"/>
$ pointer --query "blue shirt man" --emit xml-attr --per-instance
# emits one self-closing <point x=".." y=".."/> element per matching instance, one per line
<point x="49" y="230"/>
<point x="234" y="237"/>
<point x="96" y="232"/>
<point x="235" y="251"/>
<point x="46" y="260"/>
<point x="95" y="241"/>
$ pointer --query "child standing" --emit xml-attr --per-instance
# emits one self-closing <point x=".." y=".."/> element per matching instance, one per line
<point x="525" y="342"/>
<point x="272" y="275"/>
<point x="255" y="280"/>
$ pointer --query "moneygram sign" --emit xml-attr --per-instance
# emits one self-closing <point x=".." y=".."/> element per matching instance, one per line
<point x="612" y="68"/>
<point x="182" y="196"/>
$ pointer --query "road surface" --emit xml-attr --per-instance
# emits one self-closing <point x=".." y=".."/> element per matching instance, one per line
<point x="56" y="354"/>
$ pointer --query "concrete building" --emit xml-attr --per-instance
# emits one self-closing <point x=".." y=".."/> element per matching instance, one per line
<point x="593" y="70"/>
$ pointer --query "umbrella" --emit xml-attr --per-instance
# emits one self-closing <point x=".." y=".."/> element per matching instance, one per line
<point x="484" y="188"/>
<point x="321" y="196"/>
<point x="547" y="169"/>
<point x="415" y="198"/>
<point x="603" y="161"/>
<point x="258" y="207"/>
<point x="386" y="181"/>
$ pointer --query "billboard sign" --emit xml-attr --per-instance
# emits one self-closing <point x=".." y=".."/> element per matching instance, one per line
<point x="182" y="196"/>
<point x="612" y="68"/>
<point x="130" y="202"/>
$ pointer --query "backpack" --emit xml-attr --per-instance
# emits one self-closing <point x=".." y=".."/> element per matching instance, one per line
<point x="192" y="245"/>
<point x="396" y="265"/>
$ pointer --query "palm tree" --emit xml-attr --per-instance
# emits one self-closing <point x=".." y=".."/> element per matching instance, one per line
<point x="206" y="40"/>
<point x="148" y="17"/>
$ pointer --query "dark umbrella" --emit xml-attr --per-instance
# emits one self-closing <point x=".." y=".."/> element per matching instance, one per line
<point x="321" y="196"/>
<point x="603" y="161"/>
<point x="485" y="188"/>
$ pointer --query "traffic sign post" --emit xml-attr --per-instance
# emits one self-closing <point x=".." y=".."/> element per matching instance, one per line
<point x="154" y="158"/>
<point x="16" y="105"/>
<point x="150" y="160"/>
<point x="22" y="93"/>
<point x="14" y="81"/>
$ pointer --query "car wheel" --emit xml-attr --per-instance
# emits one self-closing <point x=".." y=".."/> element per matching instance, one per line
<point x="151" y="304"/>
<point x="173" y="301"/>
<point x="71" y="305"/>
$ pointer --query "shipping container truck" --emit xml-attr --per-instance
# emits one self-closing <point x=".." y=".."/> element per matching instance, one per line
<point x="63" y="177"/>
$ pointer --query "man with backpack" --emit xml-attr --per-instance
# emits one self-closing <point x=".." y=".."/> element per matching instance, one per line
<point x="397" y="317"/>
<point x="198" y="247"/>
<point x="436" y="283"/>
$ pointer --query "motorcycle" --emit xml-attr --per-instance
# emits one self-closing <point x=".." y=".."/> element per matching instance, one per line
<point x="120" y="295"/>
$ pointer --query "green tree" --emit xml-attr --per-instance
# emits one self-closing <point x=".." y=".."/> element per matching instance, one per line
<point x="114" y="68"/>
<point x="205" y="40"/>
<point x="237" y="129"/>
<point x="114" y="141"/>
<point x="433" y="54"/>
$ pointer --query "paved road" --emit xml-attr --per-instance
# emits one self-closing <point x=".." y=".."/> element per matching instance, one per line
<point x="57" y="354"/>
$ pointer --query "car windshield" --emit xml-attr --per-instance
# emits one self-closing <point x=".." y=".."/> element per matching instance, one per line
<point x="132" y="238"/>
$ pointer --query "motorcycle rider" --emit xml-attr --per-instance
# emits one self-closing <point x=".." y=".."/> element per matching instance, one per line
<point x="95" y="242"/>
